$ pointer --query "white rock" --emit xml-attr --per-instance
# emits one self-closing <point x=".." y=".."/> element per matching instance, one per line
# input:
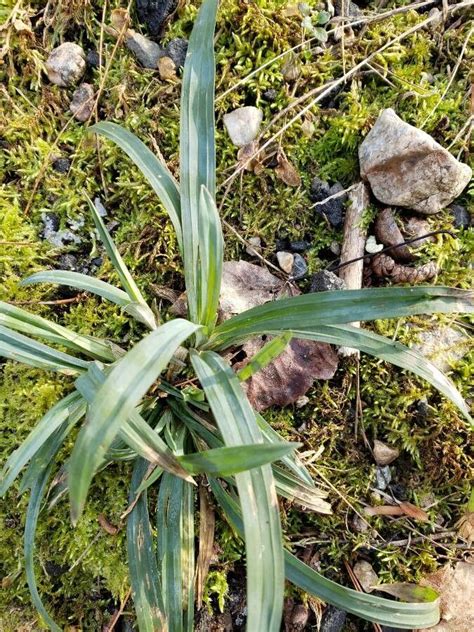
<point x="406" y="167"/>
<point x="371" y="245"/>
<point x="285" y="261"/>
<point x="243" y="124"/>
<point x="254" y="246"/>
<point x="66" y="64"/>
<point x="443" y="346"/>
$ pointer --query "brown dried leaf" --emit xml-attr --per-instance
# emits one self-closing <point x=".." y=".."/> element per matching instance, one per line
<point x="465" y="527"/>
<point x="286" y="171"/>
<point x="246" y="285"/>
<point x="366" y="575"/>
<point x="248" y="160"/>
<point x="120" y="20"/>
<point x="207" y="522"/>
<point x="107" y="526"/>
<point x="290" y="375"/>
<point x="455" y="586"/>
<point x="384" y="510"/>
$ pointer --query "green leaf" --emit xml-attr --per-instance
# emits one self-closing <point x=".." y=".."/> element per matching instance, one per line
<point x="263" y="538"/>
<point x="369" y="607"/>
<point x="309" y="311"/>
<point x="175" y="527"/>
<point x="154" y="170"/>
<point x="211" y="257"/>
<point x="71" y="409"/>
<point x="15" y="346"/>
<point x="135" y="432"/>
<point x="320" y="33"/>
<point x="267" y="354"/>
<point x="80" y="282"/>
<point x="228" y="461"/>
<point x="390" y="351"/>
<point x="21" y="320"/>
<point x="116" y="400"/>
<point x="145" y="315"/>
<point x="197" y="149"/>
<point x="143" y="568"/>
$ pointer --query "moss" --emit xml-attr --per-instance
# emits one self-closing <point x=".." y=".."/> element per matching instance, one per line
<point x="36" y="128"/>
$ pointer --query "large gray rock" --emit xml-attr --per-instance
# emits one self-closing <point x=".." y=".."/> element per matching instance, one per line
<point x="406" y="167"/>
<point x="243" y="124"/>
<point x="66" y="64"/>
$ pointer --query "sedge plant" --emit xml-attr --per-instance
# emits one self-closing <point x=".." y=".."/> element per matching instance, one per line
<point x="211" y="434"/>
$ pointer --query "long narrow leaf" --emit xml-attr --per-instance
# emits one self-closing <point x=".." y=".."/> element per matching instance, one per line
<point x="390" y="351"/>
<point x="309" y="311"/>
<point x="269" y="352"/>
<point x="154" y="170"/>
<point x="15" y="346"/>
<point x="115" y="401"/>
<point x="143" y="313"/>
<point x="197" y="150"/>
<point x="229" y="461"/>
<point x="263" y="539"/>
<point x="33" y="325"/>
<point x="143" y="568"/>
<point x="376" y="609"/>
<point x="211" y="258"/>
<point x="70" y="408"/>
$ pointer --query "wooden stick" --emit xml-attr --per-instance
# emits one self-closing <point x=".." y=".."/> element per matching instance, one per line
<point x="353" y="245"/>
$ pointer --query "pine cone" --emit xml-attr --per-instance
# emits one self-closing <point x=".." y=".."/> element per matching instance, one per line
<point x="385" y="266"/>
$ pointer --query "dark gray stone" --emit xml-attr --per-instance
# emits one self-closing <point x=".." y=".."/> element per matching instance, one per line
<point x="270" y="95"/>
<point x="319" y="190"/>
<point x="154" y="13"/>
<point x="300" y="267"/>
<point x="461" y="216"/>
<point x="347" y="8"/>
<point x="93" y="59"/>
<point x="333" y="209"/>
<point x="68" y="262"/>
<point x="61" y="165"/>
<point x="333" y="620"/>
<point x="50" y="222"/>
<point x="299" y="246"/>
<point x="325" y="281"/>
<point x="177" y="50"/>
<point x="383" y="476"/>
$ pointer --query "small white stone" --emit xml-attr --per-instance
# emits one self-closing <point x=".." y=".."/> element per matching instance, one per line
<point x="66" y="64"/>
<point x="371" y="245"/>
<point x="285" y="261"/>
<point x="302" y="401"/>
<point x="243" y="125"/>
<point x="254" y="246"/>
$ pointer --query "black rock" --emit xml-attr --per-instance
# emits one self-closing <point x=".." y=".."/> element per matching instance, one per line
<point x="55" y="570"/>
<point x="325" y="281"/>
<point x="347" y="8"/>
<point x="461" y="216"/>
<point x="61" y="165"/>
<point x="319" y="190"/>
<point x="154" y="13"/>
<point x="299" y="246"/>
<point x="399" y="491"/>
<point x="96" y="262"/>
<point x="93" y="59"/>
<point x="422" y="410"/>
<point x="333" y="620"/>
<point x="50" y="222"/>
<point x="177" y="50"/>
<point x="270" y="95"/>
<point x="300" y="267"/>
<point x="282" y="244"/>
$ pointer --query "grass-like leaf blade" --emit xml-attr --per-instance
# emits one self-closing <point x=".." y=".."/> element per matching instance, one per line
<point x="232" y="460"/>
<point x="211" y="258"/>
<point x="142" y="564"/>
<point x="197" y="147"/>
<point x="263" y="538"/>
<point x="269" y="352"/>
<point x="115" y="401"/>
<point x="154" y="170"/>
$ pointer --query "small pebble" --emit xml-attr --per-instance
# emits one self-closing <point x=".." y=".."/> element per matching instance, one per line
<point x="333" y="209"/>
<point x="147" y="52"/>
<point x="270" y="95"/>
<point x="359" y="524"/>
<point x="282" y="244"/>
<point x="325" y="281"/>
<point x="300" y="267"/>
<point x="82" y="102"/>
<point x="383" y="476"/>
<point x="461" y="216"/>
<point x="384" y="454"/>
<point x="99" y="207"/>
<point x="335" y="248"/>
<point x="302" y="401"/>
<point x="299" y="246"/>
<point x="255" y="244"/>
<point x="93" y="59"/>
<point x="61" y="165"/>
<point x="243" y="124"/>
<point x="333" y="620"/>
<point x="50" y="223"/>
<point x="285" y="261"/>
<point x="371" y="245"/>
<point x="66" y="64"/>
<point x="176" y="50"/>
<point x="68" y="262"/>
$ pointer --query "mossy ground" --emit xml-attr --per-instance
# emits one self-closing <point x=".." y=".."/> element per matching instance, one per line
<point x="84" y="571"/>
